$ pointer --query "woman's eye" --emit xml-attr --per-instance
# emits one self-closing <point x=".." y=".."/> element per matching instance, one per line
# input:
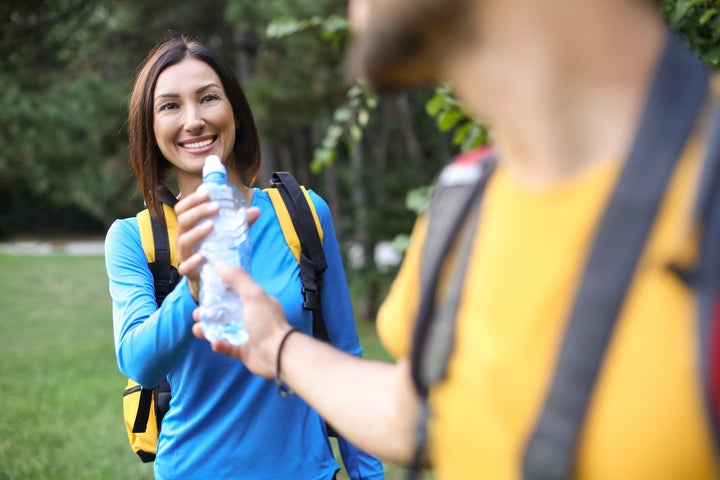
<point x="211" y="97"/>
<point x="167" y="106"/>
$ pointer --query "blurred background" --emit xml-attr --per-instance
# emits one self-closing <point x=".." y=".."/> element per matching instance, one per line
<point x="66" y="70"/>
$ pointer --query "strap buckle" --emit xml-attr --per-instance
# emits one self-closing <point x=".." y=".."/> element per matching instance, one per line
<point x="311" y="299"/>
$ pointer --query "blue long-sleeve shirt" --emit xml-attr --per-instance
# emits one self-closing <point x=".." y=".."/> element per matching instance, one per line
<point x="224" y="422"/>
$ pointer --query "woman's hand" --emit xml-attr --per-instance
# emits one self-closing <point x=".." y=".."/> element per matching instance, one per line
<point x="190" y="211"/>
<point x="264" y="319"/>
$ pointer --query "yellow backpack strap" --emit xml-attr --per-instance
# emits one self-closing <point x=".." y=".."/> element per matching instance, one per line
<point x="146" y="235"/>
<point x="145" y="223"/>
<point x="158" y="242"/>
<point x="288" y="229"/>
<point x="171" y="221"/>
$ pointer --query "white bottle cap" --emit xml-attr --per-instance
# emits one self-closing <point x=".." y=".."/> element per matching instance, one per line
<point x="213" y="164"/>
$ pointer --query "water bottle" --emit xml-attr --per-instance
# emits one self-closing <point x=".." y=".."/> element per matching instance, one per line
<point x="229" y="241"/>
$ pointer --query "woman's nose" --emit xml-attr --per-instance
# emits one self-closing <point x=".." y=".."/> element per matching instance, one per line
<point x="193" y="120"/>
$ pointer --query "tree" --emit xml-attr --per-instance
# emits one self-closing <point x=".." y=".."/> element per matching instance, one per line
<point x="66" y="68"/>
<point x="295" y="106"/>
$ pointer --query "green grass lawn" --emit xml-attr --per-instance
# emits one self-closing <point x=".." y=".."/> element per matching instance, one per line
<point x="60" y="389"/>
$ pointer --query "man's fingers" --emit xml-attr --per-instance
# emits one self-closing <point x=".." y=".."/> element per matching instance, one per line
<point x="237" y="277"/>
<point x="226" y="348"/>
<point x="217" y="345"/>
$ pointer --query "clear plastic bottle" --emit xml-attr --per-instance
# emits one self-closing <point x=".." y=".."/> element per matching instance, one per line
<point x="229" y="241"/>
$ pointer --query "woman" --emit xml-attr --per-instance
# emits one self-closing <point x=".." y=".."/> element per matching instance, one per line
<point x="223" y="422"/>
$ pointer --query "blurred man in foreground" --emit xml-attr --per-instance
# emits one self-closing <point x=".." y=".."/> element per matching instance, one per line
<point x="570" y="89"/>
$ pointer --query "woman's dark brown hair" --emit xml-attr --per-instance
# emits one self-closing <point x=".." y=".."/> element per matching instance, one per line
<point x="150" y="167"/>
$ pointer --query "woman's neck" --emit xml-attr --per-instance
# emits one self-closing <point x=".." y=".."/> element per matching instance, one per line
<point x="188" y="183"/>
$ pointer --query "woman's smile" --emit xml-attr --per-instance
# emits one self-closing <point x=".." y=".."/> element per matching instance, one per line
<point x="198" y="145"/>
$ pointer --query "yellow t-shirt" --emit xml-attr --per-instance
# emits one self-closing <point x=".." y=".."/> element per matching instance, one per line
<point x="646" y="419"/>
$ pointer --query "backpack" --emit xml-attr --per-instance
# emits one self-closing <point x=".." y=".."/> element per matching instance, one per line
<point x="667" y="122"/>
<point x="144" y="408"/>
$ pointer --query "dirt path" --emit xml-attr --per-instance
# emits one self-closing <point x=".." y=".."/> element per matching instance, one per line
<point x="41" y="247"/>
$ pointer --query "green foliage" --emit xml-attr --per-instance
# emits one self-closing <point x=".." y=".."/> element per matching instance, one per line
<point x="333" y="29"/>
<point x="50" y="132"/>
<point x="699" y="22"/>
<point x="451" y="115"/>
<point x="418" y="199"/>
<point x="296" y="77"/>
<point x="348" y="122"/>
<point x="60" y="113"/>
<point x="41" y="36"/>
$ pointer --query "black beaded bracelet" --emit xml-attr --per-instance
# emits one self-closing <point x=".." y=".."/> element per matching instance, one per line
<point x="283" y="389"/>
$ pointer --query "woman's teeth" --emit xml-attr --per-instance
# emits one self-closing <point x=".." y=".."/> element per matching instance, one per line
<point x="203" y="143"/>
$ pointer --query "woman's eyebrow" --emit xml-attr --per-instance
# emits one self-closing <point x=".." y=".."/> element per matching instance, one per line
<point x="166" y="95"/>
<point x="206" y="87"/>
<point x="176" y="95"/>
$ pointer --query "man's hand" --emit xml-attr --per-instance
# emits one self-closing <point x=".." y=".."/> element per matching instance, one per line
<point x="264" y="319"/>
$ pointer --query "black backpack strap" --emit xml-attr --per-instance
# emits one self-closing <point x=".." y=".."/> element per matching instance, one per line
<point x="164" y="273"/>
<point x="166" y="277"/>
<point x="312" y="260"/>
<point x="675" y="99"/>
<point x="143" y="410"/>
<point x="452" y="222"/>
<point x="166" y="196"/>
<point x="312" y="256"/>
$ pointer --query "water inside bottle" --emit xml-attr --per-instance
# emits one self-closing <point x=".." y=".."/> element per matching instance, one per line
<point x="222" y="319"/>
